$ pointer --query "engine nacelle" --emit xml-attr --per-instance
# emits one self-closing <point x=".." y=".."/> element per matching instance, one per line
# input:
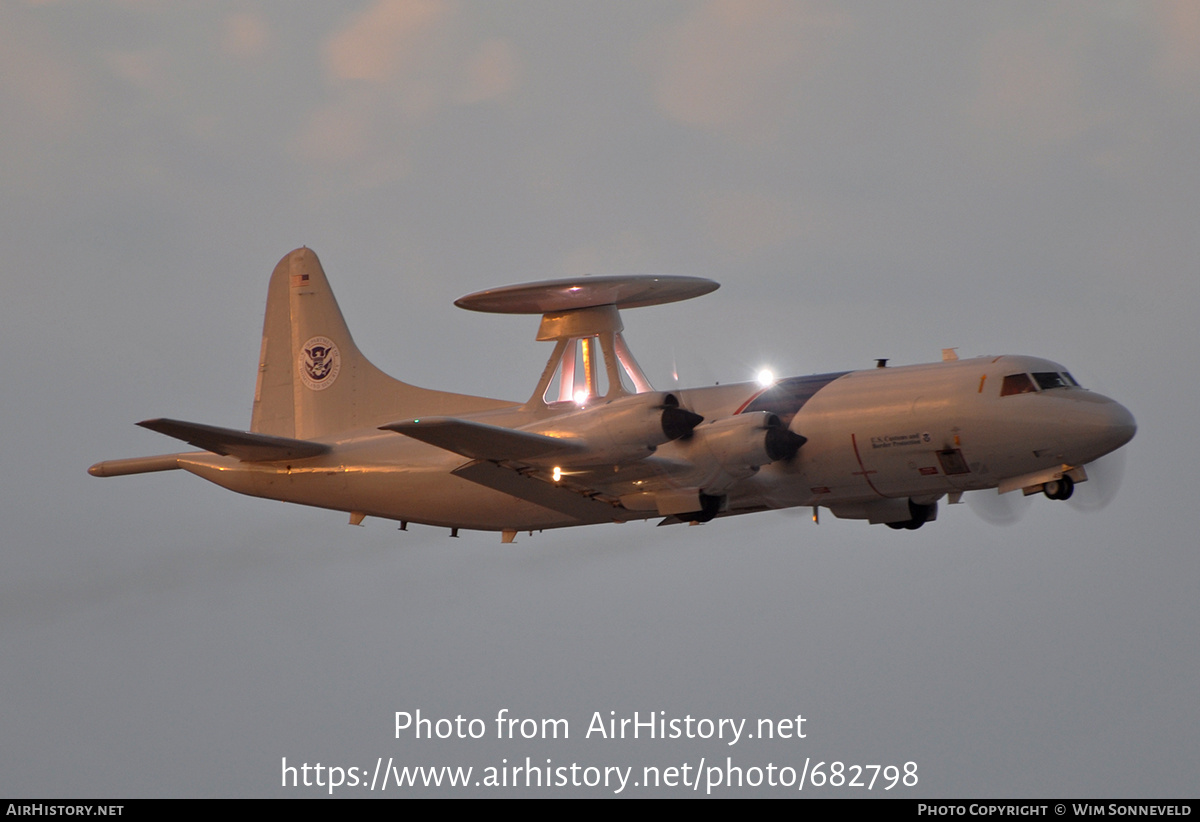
<point x="629" y="427"/>
<point x="736" y="447"/>
<point x="900" y="512"/>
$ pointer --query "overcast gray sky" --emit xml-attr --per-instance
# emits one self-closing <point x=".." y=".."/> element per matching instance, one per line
<point x="865" y="180"/>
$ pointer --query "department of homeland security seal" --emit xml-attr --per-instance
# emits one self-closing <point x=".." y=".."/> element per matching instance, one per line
<point x="319" y="363"/>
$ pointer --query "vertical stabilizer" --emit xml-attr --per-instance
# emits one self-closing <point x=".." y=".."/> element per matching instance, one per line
<point x="312" y="379"/>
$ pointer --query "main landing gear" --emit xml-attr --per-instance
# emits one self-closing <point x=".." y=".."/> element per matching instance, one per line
<point x="710" y="506"/>
<point x="921" y="514"/>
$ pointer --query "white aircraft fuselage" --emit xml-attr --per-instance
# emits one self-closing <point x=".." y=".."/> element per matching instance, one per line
<point x="882" y="444"/>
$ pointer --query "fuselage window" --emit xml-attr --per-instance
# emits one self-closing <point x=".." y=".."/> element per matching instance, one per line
<point x="1050" y="379"/>
<point x="1017" y="384"/>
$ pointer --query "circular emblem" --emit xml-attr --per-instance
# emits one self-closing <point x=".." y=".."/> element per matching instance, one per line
<point x="320" y="362"/>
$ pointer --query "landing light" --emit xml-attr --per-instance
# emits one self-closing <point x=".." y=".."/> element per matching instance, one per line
<point x="557" y="473"/>
<point x="580" y="397"/>
<point x="766" y="378"/>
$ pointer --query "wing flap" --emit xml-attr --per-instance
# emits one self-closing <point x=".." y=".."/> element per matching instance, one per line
<point x="581" y="506"/>
<point x="480" y="441"/>
<point x="241" y="444"/>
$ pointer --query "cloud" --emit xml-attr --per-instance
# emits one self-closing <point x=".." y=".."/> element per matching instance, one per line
<point x="391" y="69"/>
<point x="735" y="66"/>
<point x="244" y="35"/>
<point x="747" y="221"/>
<point x="145" y="69"/>
<point x="492" y="73"/>
<point x="1178" y="22"/>
<point x="39" y="86"/>
<point x="47" y="97"/>
<point x="385" y="40"/>
<point x="337" y="132"/>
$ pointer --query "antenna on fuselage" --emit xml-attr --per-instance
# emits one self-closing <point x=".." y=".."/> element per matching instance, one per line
<point x="582" y="317"/>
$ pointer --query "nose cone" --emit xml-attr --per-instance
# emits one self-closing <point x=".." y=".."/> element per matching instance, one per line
<point x="1098" y="426"/>
<point x="1122" y="427"/>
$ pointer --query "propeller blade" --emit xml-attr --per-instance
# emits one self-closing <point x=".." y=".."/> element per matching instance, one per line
<point x="998" y="509"/>
<point x="1104" y="480"/>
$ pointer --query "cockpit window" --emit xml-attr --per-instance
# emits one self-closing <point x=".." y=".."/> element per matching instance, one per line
<point x="1051" y="379"/>
<point x="1070" y="380"/>
<point x="1017" y="384"/>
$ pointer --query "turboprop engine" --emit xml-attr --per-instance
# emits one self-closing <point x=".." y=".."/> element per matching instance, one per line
<point x="901" y="512"/>
<point x="628" y="427"/>
<point x="721" y="452"/>
<point x="735" y="447"/>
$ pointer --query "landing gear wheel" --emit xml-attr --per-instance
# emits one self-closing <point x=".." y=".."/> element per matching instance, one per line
<point x="1060" y="489"/>
<point x="921" y="514"/>
<point x="710" y="506"/>
<point x="906" y="525"/>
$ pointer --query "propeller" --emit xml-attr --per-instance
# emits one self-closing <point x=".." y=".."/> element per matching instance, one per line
<point x="1104" y="474"/>
<point x="998" y="509"/>
<point x="1104" y="480"/>
<point x="678" y="423"/>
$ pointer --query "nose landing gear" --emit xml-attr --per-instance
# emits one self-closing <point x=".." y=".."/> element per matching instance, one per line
<point x="1059" y="488"/>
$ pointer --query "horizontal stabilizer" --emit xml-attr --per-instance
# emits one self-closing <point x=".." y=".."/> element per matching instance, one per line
<point x="230" y="443"/>
<point x="480" y="441"/>
<point x="134" y="465"/>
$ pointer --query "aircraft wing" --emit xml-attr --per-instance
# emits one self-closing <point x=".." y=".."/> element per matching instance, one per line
<point x="585" y="507"/>
<point x="499" y="460"/>
<point x="480" y="441"/>
<point x="240" y="444"/>
<point x="581" y="494"/>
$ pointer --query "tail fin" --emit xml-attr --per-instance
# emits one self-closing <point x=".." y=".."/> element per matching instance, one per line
<point x="312" y="379"/>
